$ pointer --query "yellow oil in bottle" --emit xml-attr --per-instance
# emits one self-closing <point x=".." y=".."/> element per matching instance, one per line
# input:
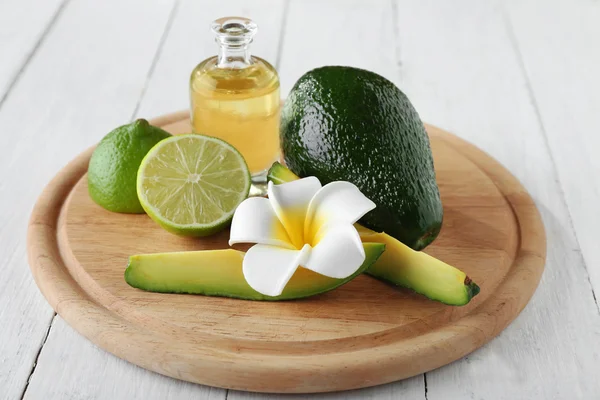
<point x="240" y="106"/>
<point x="235" y="97"/>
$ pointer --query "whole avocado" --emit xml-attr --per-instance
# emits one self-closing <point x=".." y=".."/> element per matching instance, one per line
<point x="345" y="123"/>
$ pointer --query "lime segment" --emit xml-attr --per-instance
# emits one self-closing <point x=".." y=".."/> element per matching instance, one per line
<point x="192" y="184"/>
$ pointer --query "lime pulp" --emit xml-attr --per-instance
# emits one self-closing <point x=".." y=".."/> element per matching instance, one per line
<point x="192" y="184"/>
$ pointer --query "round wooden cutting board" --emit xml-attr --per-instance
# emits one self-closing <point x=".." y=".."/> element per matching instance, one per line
<point x="363" y="334"/>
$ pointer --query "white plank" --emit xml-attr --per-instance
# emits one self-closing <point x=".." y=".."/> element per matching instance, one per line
<point x="344" y="33"/>
<point x="84" y="80"/>
<point x="338" y="32"/>
<point x="559" y="44"/>
<point x="23" y="25"/>
<point x="190" y="41"/>
<point x="187" y="42"/>
<point x="462" y="73"/>
<point x="87" y="372"/>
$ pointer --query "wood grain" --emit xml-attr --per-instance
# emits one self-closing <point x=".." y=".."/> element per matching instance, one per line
<point x="362" y="334"/>
<point x="406" y="389"/>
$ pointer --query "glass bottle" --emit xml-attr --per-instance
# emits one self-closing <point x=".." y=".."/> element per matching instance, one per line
<point x="235" y="97"/>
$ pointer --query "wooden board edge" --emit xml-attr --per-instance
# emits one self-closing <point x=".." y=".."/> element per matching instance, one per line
<point x="381" y="364"/>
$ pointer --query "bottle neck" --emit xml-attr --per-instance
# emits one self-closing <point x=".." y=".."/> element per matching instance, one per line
<point x="234" y="35"/>
<point x="237" y="56"/>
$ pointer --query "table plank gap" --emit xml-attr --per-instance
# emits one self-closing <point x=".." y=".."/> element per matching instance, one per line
<point x="340" y="35"/>
<point x="407" y="389"/>
<point x="35" y="362"/>
<point x="461" y="73"/>
<point x="18" y="51"/>
<point x="78" y="85"/>
<point x="191" y="41"/>
<point x="114" y="379"/>
<point x="536" y="109"/>
<point x="161" y="44"/>
<point x="558" y="46"/>
<point x="23" y="29"/>
<point x="165" y="88"/>
<point x="280" y="44"/>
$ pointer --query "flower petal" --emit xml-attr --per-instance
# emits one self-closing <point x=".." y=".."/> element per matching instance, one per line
<point x="268" y="269"/>
<point x="338" y="252"/>
<point x="336" y="202"/>
<point x="255" y="221"/>
<point x="290" y="202"/>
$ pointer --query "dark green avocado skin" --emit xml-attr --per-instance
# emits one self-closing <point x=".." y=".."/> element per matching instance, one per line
<point x="344" y="123"/>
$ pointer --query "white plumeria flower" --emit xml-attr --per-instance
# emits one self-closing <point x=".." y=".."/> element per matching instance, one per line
<point x="300" y="224"/>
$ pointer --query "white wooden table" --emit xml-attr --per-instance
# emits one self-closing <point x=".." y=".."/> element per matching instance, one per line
<point x="521" y="79"/>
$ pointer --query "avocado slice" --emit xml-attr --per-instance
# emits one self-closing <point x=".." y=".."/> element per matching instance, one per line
<point x="348" y="124"/>
<point x="280" y="174"/>
<point x="219" y="273"/>
<point x="402" y="266"/>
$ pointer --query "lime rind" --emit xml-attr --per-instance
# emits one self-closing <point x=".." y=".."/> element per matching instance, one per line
<point x="176" y="169"/>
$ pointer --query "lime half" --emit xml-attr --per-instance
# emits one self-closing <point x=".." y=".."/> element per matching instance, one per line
<point x="192" y="184"/>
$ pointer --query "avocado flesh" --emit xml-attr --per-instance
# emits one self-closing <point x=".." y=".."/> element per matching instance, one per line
<point x="348" y="124"/>
<point x="402" y="266"/>
<point x="219" y="273"/>
<point x="419" y="271"/>
<point x="278" y="174"/>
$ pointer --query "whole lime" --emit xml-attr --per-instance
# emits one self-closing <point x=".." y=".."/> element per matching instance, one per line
<point x="112" y="171"/>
